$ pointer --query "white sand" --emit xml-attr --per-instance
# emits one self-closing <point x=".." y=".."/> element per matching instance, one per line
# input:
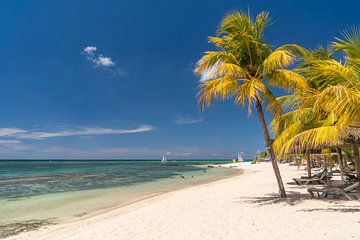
<point x="243" y="207"/>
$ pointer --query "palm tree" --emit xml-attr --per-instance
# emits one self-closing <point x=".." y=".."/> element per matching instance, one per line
<point x="241" y="68"/>
<point x="301" y="114"/>
<point x="329" y="107"/>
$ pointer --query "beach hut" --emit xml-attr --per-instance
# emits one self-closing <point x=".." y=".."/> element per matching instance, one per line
<point x="349" y="139"/>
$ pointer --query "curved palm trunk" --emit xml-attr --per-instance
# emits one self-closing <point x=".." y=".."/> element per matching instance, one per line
<point x="270" y="148"/>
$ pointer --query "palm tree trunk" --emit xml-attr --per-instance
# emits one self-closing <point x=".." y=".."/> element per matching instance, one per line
<point x="270" y="148"/>
<point x="308" y="164"/>
<point x="341" y="163"/>
<point x="346" y="167"/>
<point x="357" y="160"/>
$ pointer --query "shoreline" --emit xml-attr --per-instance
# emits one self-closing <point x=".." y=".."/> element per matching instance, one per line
<point x="241" y="207"/>
<point x="121" y="203"/>
<point x="150" y="196"/>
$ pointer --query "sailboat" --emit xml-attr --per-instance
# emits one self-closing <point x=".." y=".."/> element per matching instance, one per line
<point x="240" y="158"/>
<point x="163" y="160"/>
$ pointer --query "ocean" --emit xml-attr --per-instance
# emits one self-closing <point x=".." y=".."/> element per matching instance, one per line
<point x="61" y="190"/>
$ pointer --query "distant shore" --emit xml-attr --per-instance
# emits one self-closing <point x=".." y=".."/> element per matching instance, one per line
<point x="241" y="207"/>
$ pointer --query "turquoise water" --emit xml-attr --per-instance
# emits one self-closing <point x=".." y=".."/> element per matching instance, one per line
<point x="64" y="190"/>
<point x="25" y="178"/>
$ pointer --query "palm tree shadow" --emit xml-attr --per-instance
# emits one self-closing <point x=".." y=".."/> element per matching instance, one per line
<point x="293" y="198"/>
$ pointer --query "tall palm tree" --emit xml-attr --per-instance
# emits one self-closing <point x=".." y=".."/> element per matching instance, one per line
<point x="301" y="114"/>
<point x="241" y="68"/>
<point x="325" y="111"/>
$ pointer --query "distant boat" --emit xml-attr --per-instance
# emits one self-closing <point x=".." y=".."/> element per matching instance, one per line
<point x="240" y="158"/>
<point x="163" y="160"/>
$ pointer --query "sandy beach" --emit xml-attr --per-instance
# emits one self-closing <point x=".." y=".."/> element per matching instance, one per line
<point x="241" y="207"/>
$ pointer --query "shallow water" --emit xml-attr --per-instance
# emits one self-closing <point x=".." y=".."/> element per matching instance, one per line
<point x="65" y="190"/>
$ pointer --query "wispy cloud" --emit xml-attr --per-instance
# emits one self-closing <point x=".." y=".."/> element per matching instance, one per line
<point x="186" y="120"/>
<point x="83" y="131"/>
<point x="39" y="150"/>
<point x="15" y="145"/>
<point x="90" y="49"/>
<point x="178" y="154"/>
<point x="99" y="60"/>
<point x="9" y="132"/>
<point x="6" y="142"/>
<point x="119" y="152"/>
<point x="104" y="61"/>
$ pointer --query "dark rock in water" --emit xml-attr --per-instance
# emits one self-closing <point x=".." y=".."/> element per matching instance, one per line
<point x="16" y="228"/>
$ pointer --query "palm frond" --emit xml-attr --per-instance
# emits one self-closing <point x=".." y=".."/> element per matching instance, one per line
<point x="248" y="91"/>
<point x="278" y="59"/>
<point x="287" y="79"/>
<point x="284" y="121"/>
<point x="290" y="102"/>
<point x="330" y="72"/>
<point x="262" y="21"/>
<point x="230" y="70"/>
<point x="343" y="101"/>
<point x="296" y="50"/>
<point x="272" y="105"/>
<point x="350" y="44"/>
<point x="215" y="89"/>
<point x="212" y="58"/>
<point x="219" y="42"/>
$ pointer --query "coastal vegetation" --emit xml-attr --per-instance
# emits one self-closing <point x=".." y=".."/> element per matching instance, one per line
<point x="243" y="68"/>
<point x="326" y="113"/>
<point x="322" y="107"/>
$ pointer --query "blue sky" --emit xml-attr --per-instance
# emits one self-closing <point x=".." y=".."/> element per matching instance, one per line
<point x="114" y="79"/>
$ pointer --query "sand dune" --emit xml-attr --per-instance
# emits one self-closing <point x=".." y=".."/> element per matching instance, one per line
<point x="242" y="207"/>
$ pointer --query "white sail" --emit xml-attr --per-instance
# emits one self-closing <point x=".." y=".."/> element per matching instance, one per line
<point x="164" y="160"/>
<point x="240" y="158"/>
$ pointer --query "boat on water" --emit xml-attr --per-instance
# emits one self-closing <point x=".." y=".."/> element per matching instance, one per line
<point x="163" y="160"/>
<point x="240" y="158"/>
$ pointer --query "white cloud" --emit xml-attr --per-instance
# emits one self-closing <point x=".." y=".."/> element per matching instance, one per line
<point x="7" y="142"/>
<point x="38" y="135"/>
<point x="98" y="60"/>
<point x="9" y="132"/>
<point x="104" y="61"/>
<point x="89" y="49"/>
<point x="182" y="120"/>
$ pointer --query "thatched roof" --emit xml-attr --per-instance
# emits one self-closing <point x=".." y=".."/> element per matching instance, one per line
<point x="351" y="136"/>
